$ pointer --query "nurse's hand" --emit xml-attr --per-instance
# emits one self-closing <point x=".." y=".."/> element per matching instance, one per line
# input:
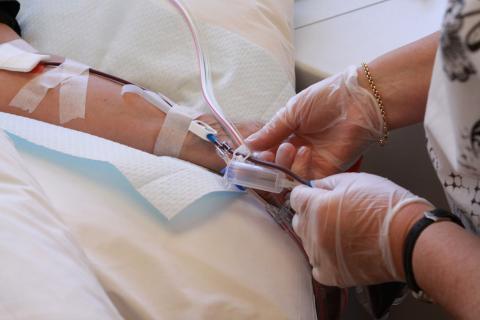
<point x="336" y="118"/>
<point x="353" y="226"/>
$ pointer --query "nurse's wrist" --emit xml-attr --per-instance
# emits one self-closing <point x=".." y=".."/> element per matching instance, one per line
<point x="400" y="226"/>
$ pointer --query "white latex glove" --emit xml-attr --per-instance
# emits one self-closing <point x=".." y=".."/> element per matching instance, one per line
<point x="344" y="224"/>
<point x="336" y="118"/>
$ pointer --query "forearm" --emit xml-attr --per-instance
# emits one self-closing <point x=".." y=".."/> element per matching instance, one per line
<point x="7" y="34"/>
<point x="448" y="269"/>
<point x="445" y="262"/>
<point x="403" y="79"/>
<point x="129" y="119"/>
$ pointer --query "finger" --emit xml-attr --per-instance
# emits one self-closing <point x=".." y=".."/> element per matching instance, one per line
<point x="285" y="155"/>
<point x="298" y="225"/>
<point x="331" y="182"/>
<point x="268" y="156"/>
<point x="272" y="134"/>
<point x="302" y="197"/>
<point x="303" y="161"/>
<point x="324" y="277"/>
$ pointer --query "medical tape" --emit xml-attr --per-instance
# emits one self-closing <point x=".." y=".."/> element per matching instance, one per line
<point x="73" y="97"/>
<point x="174" y="131"/>
<point x="197" y="127"/>
<point x="23" y="45"/>
<point x="16" y="59"/>
<point x="156" y="99"/>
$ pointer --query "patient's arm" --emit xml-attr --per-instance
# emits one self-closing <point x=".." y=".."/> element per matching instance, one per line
<point x="129" y="120"/>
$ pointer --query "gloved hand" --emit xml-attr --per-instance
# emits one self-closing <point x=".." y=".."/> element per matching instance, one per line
<point x="344" y="224"/>
<point x="336" y="118"/>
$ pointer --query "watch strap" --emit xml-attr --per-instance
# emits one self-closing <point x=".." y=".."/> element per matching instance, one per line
<point x="429" y="218"/>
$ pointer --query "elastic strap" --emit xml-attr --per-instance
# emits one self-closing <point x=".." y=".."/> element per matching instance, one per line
<point x="411" y="240"/>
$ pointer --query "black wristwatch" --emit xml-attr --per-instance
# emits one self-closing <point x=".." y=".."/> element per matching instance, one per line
<point x="429" y="218"/>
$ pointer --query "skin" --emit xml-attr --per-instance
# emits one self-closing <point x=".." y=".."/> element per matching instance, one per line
<point x="129" y="120"/>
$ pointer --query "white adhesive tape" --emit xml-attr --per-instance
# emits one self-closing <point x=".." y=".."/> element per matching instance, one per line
<point x="73" y="98"/>
<point x="158" y="100"/>
<point x="178" y="122"/>
<point x="174" y="131"/>
<point x="13" y="58"/>
<point x="23" y="45"/>
<point x="32" y="94"/>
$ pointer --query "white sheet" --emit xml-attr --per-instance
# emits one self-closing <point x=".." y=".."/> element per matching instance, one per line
<point x="224" y="258"/>
<point x="169" y="184"/>
<point x="44" y="275"/>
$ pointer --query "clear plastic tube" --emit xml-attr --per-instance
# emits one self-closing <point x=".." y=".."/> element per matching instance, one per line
<point x="257" y="177"/>
<point x="206" y="79"/>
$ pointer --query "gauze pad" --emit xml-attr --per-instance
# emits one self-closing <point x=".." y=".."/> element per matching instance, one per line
<point x="13" y="58"/>
<point x="170" y="185"/>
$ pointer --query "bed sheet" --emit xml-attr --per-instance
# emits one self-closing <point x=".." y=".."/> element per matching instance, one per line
<point x="222" y="258"/>
<point x="44" y="274"/>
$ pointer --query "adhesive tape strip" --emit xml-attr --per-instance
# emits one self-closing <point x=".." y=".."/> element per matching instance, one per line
<point x="178" y="121"/>
<point x="73" y="98"/>
<point x="174" y="131"/>
<point x="32" y="94"/>
<point x="158" y="100"/>
<point x="16" y="59"/>
<point x="23" y="45"/>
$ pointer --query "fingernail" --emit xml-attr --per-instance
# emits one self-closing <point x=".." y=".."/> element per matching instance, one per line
<point x="251" y="138"/>
<point x="295" y="222"/>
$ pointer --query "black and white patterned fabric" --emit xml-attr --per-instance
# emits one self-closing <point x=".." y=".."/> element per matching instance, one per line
<point x="452" y="120"/>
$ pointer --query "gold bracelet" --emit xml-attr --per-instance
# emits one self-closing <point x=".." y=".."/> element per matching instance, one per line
<point x="383" y="139"/>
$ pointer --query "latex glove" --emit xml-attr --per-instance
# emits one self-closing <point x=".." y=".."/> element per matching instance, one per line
<point x="336" y="118"/>
<point x="344" y="224"/>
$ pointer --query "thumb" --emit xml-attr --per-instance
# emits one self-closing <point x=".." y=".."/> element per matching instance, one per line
<point x="331" y="182"/>
<point x="302" y="196"/>
<point x="272" y="134"/>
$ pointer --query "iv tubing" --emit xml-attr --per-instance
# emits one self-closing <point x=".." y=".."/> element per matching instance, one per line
<point x="205" y="75"/>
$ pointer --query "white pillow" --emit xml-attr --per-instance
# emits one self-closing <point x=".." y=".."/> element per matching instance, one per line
<point x="248" y="44"/>
<point x="43" y="273"/>
<point x="267" y="23"/>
